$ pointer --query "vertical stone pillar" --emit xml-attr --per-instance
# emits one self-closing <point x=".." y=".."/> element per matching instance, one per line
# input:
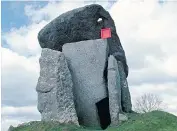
<point x="55" y="88"/>
<point x="125" y="93"/>
<point x="114" y="90"/>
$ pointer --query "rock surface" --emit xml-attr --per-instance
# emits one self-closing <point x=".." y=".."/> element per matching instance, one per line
<point x="114" y="90"/>
<point x="87" y="62"/>
<point x="82" y="24"/>
<point x="55" y="88"/>
<point x="125" y="93"/>
<point x="122" y="118"/>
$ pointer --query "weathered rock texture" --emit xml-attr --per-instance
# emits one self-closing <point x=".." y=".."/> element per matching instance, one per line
<point x="122" y="118"/>
<point x="55" y="88"/>
<point x="114" y="90"/>
<point x="87" y="62"/>
<point x="86" y="82"/>
<point x="125" y="93"/>
<point x="82" y="24"/>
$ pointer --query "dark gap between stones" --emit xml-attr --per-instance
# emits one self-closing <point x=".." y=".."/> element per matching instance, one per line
<point x="103" y="112"/>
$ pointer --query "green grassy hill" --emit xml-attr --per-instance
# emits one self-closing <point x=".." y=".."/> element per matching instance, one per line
<point x="152" y="121"/>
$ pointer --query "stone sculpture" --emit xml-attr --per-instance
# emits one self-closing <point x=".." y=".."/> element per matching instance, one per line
<point x="82" y="77"/>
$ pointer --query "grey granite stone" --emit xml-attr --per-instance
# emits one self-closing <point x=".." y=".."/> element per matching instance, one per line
<point x="122" y="118"/>
<point x="55" y="88"/>
<point x="125" y="93"/>
<point x="114" y="90"/>
<point x="82" y="24"/>
<point x="87" y="62"/>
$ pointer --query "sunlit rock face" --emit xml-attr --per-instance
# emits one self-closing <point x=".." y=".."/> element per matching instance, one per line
<point x="55" y="88"/>
<point x="87" y="62"/>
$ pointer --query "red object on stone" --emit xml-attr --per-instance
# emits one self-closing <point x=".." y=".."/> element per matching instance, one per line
<point x="105" y="33"/>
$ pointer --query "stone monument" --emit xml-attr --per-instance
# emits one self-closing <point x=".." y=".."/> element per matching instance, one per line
<point x="82" y="76"/>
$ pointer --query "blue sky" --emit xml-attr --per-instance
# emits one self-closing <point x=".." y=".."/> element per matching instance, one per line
<point x="13" y="13"/>
<point x="147" y="30"/>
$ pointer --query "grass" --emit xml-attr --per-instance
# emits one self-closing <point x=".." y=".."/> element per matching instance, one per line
<point x="152" y="121"/>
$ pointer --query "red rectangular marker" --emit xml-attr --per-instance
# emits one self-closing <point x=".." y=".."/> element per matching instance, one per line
<point x="105" y="33"/>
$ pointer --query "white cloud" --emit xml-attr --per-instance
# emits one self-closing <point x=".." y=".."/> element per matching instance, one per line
<point x="51" y="10"/>
<point x="167" y="92"/>
<point x="19" y="77"/>
<point x="147" y="28"/>
<point x="148" y="33"/>
<point x="24" y="40"/>
<point x="29" y="111"/>
<point x="54" y="9"/>
<point x="19" y="98"/>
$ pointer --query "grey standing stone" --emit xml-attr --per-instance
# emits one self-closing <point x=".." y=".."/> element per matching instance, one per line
<point x="87" y="62"/>
<point x="125" y="93"/>
<point x="55" y="88"/>
<point x="82" y="24"/>
<point x="114" y="90"/>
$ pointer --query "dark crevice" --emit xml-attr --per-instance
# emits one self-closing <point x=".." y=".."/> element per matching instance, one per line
<point x="103" y="112"/>
<point x="105" y="73"/>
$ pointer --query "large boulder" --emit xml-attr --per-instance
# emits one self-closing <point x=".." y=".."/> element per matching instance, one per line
<point x="87" y="62"/>
<point x="82" y="24"/>
<point x="55" y="88"/>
